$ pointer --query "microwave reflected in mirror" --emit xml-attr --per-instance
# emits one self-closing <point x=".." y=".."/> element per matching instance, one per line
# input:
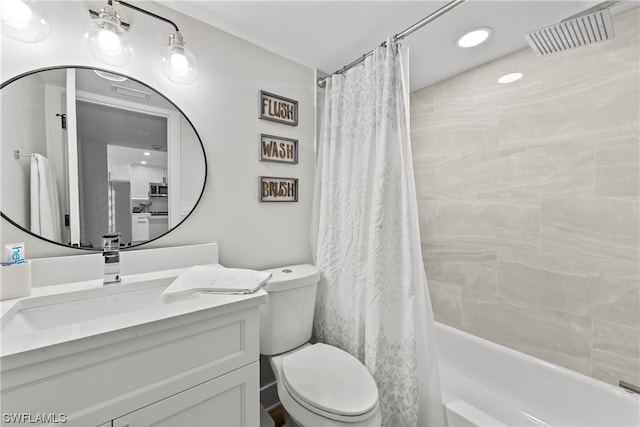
<point x="158" y="190"/>
<point x="116" y="163"/>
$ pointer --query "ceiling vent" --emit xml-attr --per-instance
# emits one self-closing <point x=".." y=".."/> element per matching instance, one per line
<point x="573" y="32"/>
<point x="122" y="90"/>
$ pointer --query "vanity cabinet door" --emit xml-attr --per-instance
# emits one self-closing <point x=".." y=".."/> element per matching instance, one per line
<point x="229" y="400"/>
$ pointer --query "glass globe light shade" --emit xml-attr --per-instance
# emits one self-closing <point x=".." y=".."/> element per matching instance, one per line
<point x="24" y="21"/>
<point x="107" y="40"/>
<point x="179" y="64"/>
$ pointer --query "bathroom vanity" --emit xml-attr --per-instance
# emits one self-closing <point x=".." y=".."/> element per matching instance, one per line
<point x="116" y="355"/>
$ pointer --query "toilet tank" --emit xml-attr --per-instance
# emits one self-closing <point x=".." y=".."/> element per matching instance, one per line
<point x="287" y="317"/>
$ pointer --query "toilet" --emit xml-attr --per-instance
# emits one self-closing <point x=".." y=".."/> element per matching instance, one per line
<point x="318" y="384"/>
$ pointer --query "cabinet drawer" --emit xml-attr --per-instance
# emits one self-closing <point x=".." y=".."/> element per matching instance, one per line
<point x="135" y="372"/>
<point x="230" y="400"/>
<point x="139" y="227"/>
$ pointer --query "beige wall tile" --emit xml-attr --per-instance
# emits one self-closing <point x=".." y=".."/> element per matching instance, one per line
<point x="476" y="131"/>
<point x="601" y="288"/>
<point x="553" y="335"/>
<point x="437" y="176"/>
<point x="561" y="168"/>
<point x="446" y="300"/>
<point x="421" y="103"/>
<point x="617" y="165"/>
<point x="499" y="223"/>
<point x="467" y="265"/>
<point x="528" y="202"/>
<point x="607" y="227"/>
<point x="616" y="353"/>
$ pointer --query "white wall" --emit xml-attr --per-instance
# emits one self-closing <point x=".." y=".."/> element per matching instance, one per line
<point x="223" y="107"/>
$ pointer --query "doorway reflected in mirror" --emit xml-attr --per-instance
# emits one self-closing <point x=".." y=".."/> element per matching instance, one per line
<point x="123" y="157"/>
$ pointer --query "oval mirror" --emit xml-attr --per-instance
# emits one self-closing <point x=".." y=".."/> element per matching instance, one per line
<point x="87" y="152"/>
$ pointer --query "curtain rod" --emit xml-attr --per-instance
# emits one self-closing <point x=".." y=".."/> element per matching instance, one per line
<point x="322" y="81"/>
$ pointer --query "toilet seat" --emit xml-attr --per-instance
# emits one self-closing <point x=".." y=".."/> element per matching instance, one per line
<point x="330" y="382"/>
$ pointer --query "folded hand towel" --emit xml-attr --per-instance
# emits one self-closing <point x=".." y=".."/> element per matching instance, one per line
<point x="213" y="279"/>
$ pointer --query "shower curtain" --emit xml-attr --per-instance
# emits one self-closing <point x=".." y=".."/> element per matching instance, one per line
<point x="372" y="297"/>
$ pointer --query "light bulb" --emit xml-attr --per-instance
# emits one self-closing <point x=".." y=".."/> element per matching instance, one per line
<point x="17" y="13"/>
<point x="24" y="21"/>
<point x="179" y="64"/>
<point x="107" y="40"/>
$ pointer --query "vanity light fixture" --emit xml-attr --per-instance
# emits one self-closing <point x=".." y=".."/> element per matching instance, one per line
<point x="179" y="63"/>
<point x="474" y="37"/>
<point x="510" y="78"/>
<point x="108" y="42"/>
<point x="23" y="20"/>
<point x="107" y="39"/>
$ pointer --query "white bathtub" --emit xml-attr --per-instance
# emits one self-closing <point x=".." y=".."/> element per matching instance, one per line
<point x="485" y="384"/>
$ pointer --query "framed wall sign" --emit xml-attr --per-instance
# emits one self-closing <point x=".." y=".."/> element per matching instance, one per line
<point x="278" y="149"/>
<point x="278" y="108"/>
<point x="274" y="189"/>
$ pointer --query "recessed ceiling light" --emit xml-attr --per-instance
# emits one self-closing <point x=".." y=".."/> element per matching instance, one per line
<point x="146" y="153"/>
<point x="510" y="78"/>
<point x="143" y="162"/>
<point x="474" y="37"/>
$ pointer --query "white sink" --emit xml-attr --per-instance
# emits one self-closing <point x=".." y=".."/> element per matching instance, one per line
<point x="70" y="312"/>
<point x="85" y="306"/>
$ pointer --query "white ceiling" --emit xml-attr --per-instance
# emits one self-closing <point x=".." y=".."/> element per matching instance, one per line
<point x="330" y="34"/>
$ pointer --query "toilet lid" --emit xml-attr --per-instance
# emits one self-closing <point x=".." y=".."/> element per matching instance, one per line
<point x="331" y="380"/>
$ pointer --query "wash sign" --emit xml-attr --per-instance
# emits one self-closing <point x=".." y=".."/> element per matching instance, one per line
<point x="278" y="149"/>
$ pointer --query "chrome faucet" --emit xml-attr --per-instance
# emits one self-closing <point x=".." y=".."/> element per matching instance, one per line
<point x="111" y="254"/>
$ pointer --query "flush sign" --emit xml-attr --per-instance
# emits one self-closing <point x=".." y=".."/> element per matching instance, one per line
<point x="278" y="109"/>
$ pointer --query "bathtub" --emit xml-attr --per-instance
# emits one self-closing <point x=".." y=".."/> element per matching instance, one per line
<point x="485" y="384"/>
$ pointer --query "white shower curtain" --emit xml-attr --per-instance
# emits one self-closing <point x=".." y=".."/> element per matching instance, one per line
<point x="372" y="298"/>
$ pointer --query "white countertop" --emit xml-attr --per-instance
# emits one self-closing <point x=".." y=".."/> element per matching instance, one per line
<point x="19" y="335"/>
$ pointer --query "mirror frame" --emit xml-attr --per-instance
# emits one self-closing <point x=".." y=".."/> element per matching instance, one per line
<point x="204" y="156"/>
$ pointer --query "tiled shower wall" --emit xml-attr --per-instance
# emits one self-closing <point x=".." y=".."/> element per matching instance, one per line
<point x="528" y="198"/>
